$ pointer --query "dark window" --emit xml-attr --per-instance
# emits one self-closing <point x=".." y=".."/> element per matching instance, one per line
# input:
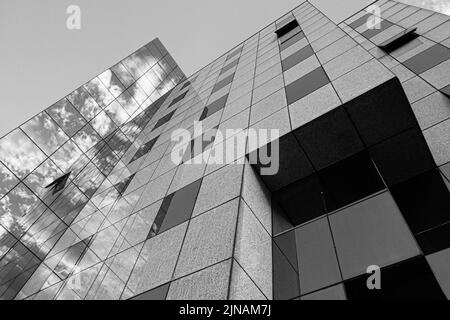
<point x="175" y="209"/>
<point x="290" y="34"/>
<point x="222" y="83"/>
<point x="293" y="163"/>
<point x="178" y="99"/>
<point x="350" y="180"/>
<point x="164" y="120"/>
<point x="379" y="121"/>
<point x="144" y="149"/>
<point x="424" y="201"/>
<point x="303" y="200"/>
<point x="428" y="59"/>
<point x="214" y="107"/>
<point x="306" y="85"/>
<point x="329" y="139"/>
<point x="399" y="40"/>
<point x="297" y="57"/>
<point x="286" y="28"/>
<point x="285" y="279"/>
<point x="434" y="240"/>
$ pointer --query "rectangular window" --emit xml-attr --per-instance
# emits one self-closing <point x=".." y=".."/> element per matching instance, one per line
<point x="175" y="209"/>
<point x="214" y="107"/>
<point x="221" y="84"/>
<point x="399" y="40"/>
<point x="286" y="28"/>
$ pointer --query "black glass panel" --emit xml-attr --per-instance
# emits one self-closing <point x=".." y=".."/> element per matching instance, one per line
<point x="409" y="280"/>
<point x="350" y="180"/>
<point x="293" y="163"/>
<point x="290" y="34"/>
<point x="303" y="200"/>
<point x="428" y="59"/>
<point x="286" y="27"/>
<point x="306" y="85"/>
<point x="164" y="120"/>
<point x="424" y="201"/>
<point x="403" y="157"/>
<point x="398" y="40"/>
<point x="329" y="139"/>
<point x="382" y="112"/>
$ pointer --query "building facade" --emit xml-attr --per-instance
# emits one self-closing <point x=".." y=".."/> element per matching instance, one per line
<point x="94" y="205"/>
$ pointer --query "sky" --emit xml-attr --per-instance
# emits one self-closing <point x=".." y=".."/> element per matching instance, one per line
<point x="41" y="60"/>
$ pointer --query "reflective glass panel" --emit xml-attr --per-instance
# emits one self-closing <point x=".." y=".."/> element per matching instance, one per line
<point x="19" y="209"/>
<point x="7" y="180"/>
<point x="66" y="116"/>
<point x="112" y="83"/>
<point x="99" y="92"/>
<point x="86" y="138"/>
<point x="40" y="178"/>
<point x="19" y="153"/>
<point x="45" y="133"/>
<point x="66" y="155"/>
<point x="84" y="103"/>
